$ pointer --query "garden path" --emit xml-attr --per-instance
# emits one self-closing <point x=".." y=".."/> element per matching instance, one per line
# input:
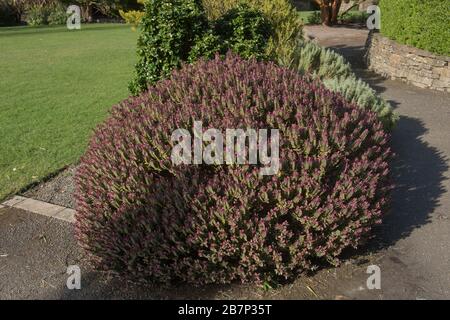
<point x="416" y="234"/>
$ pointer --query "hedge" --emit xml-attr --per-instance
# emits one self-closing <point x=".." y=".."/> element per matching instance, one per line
<point x="422" y="24"/>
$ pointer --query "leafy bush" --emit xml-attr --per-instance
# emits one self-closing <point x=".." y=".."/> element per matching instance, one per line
<point x="133" y="17"/>
<point x="314" y="18"/>
<point x="359" y="92"/>
<point x="242" y="29"/>
<point x="37" y="15"/>
<point x="57" y="15"/>
<point x="354" y="17"/>
<point x="422" y="24"/>
<point x="245" y="31"/>
<point x="283" y="17"/>
<point x="145" y="218"/>
<point x="207" y="46"/>
<point x="169" y="31"/>
<point x="338" y="76"/>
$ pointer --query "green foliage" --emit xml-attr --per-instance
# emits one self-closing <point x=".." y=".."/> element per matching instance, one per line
<point x="419" y="23"/>
<point x="169" y="31"/>
<point x="57" y="15"/>
<point x="106" y="7"/>
<point x="245" y="31"/>
<point x="353" y="17"/>
<point x="313" y="18"/>
<point x="283" y="16"/>
<point x="50" y="12"/>
<point x="324" y="63"/>
<point x="167" y="41"/>
<point x="207" y="46"/>
<point x="37" y="15"/>
<point x="331" y="67"/>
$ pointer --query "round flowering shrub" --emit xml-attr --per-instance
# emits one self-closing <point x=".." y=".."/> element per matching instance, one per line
<point x="147" y="218"/>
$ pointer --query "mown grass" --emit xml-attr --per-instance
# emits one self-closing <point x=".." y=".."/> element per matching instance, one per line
<point x="305" y="15"/>
<point x="55" y="86"/>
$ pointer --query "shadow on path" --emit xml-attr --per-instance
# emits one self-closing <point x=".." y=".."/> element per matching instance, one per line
<point x="418" y="173"/>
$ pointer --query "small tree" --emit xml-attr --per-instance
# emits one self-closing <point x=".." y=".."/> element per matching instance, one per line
<point x="329" y="10"/>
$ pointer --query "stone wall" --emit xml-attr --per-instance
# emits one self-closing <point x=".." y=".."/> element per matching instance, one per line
<point x="418" y="67"/>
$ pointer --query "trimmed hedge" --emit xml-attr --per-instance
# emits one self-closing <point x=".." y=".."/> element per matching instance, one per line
<point x="424" y="24"/>
<point x="141" y="216"/>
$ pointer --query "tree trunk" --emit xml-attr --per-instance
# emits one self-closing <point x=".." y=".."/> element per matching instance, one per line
<point x="335" y="7"/>
<point x="325" y="12"/>
<point x="86" y="13"/>
<point x="329" y="11"/>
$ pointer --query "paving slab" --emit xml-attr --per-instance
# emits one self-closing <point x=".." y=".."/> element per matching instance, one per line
<point x="66" y="214"/>
<point x="13" y="201"/>
<point x="39" y="207"/>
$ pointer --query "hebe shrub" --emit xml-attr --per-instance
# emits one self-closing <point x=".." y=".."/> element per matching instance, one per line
<point x="141" y="216"/>
<point x="419" y="23"/>
<point x="169" y="31"/>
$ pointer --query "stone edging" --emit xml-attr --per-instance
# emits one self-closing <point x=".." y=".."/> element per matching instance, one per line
<point x="40" y="207"/>
<point x="415" y="66"/>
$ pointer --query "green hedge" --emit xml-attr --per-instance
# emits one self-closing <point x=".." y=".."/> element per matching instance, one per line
<point x="419" y="23"/>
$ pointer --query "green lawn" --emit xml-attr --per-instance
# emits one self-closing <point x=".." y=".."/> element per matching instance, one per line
<point x="55" y="86"/>
<point x="304" y="15"/>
